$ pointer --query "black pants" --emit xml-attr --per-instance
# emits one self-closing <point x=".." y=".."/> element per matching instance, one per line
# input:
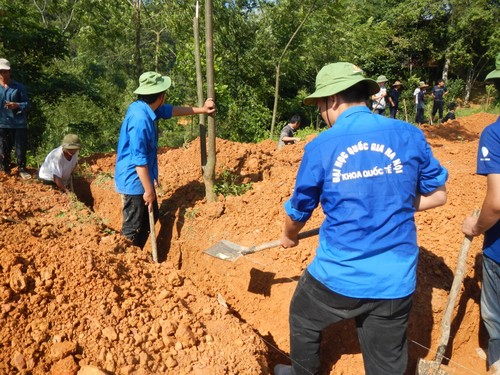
<point x="136" y="219"/>
<point x="381" y="324"/>
<point x="437" y="106"/>
<point x="17" y="138"/>
<point x="393" y="111"/>
<point x="419" y="116"/>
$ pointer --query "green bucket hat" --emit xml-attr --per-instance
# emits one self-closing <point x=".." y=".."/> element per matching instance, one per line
<point x="381" y="79"/>
<point x="71" y="142"/>
<point x="495" y="74"/>
<point x="337" y="77"/>
<point x="152" y="83"/>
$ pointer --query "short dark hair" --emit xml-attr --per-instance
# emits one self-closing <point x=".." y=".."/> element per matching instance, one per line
<point x="360" y="92"/>
<point x="150" y="98"/>
<point x="294" y="119"/>
<point x="452" y="105"/>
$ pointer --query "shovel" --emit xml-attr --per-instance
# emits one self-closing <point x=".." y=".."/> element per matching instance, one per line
<point x="230" y="251"/>
<point x="425" y="367"/>
<point x="152" y="234"/>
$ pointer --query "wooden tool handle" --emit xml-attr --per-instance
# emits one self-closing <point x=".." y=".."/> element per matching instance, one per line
<point x="455" y="287"/>
<point x="276" y="243"/>
<point x="152" y="233"/>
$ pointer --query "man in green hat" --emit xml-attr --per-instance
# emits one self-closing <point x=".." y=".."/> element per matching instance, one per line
<point x="378" y="99"/>
<point x="371" y="174"/>
<point x="488" y="223"/>
<point x="136" y="170"/>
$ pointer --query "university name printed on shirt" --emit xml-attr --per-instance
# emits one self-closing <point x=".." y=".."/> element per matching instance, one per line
<point x="395" y="166"/>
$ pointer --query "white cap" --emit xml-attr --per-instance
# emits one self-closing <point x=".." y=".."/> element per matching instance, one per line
<point x="4" y="64"/>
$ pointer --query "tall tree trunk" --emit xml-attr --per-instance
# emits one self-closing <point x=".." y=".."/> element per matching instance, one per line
<point x="468" y="85"/>
<point x="157" y="48"/>
<point x="446" y="69"/>
<point x="277" y="80"/>
<point x="276" y="97"/>
<point x="138" y="59"/>
<point x="199" y="87"/>
<point x="209" y="171"/>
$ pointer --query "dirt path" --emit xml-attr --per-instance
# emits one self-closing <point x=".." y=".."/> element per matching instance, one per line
<point x="73" y="293"/>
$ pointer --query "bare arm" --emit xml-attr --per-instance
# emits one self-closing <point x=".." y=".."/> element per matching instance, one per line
<point x="290" y="232"/>
<point x="60" y="184"/>
<point x="490" y="211"/>
<point x="208" y="108"/>
<point x="287" y="139"/>
<point x="435" y="199"/>
<point x="149" y="195"/>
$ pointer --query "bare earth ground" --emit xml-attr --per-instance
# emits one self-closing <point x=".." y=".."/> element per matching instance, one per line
<point x="75" y="296"/>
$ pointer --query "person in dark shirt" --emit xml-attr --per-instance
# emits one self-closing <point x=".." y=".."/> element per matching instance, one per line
<point x="419" y="95"/>
<point x="438" y="93"/>
<point x="13" y="121"/>
<point x="394" y="93"/>
<point x="451" y="112"/>
<point x="287" y="135"/>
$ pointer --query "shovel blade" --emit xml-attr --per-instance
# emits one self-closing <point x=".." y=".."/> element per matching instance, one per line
<point x="226" y="250"/>
<point x="425" y="367"/>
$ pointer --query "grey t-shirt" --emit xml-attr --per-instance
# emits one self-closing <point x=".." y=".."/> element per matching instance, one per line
<point x="287" y="131"/>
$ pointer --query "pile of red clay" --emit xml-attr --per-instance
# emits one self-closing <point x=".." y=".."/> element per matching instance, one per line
<point x="76" y="298"/>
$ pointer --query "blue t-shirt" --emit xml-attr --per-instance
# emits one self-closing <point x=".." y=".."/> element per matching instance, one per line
<point x="18" y="118"/>
<point x="366" y="172"/>
<point x="488" y="162"/>
<point x="138" y="146"/>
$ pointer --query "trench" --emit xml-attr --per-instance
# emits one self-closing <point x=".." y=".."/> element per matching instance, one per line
<point x="258" y="288"/>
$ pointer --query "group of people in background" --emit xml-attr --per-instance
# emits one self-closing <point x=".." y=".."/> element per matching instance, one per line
<point x="390" y="98"/>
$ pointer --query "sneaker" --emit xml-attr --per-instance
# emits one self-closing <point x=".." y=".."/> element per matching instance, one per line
<point x="282" y="370"/>
<point x="24" y="175"/>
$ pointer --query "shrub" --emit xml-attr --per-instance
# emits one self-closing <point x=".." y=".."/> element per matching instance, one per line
<point x="227" y="184"/>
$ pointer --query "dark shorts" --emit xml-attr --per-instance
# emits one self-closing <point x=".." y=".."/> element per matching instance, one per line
<point x="136" y="219"/>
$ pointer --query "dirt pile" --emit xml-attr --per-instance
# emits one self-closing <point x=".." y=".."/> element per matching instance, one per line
<point x="75" y="295"/>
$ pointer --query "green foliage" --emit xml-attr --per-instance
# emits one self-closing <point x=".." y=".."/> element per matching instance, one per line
<point x="80" y="59"/>
<point x="455" y="89"/>
<point x="492" y="96"/>
<point x="244" y="119"/>
<point x="467" y="111"/>
<point x="227" y="184"/>
<point x="174" y="135"/>
<point x="304" y="132"/>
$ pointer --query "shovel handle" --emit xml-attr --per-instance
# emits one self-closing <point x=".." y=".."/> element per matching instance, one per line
<point x="152" y="234"/>
<point x="455" y="287"/>
<point x="276" y="243"/>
